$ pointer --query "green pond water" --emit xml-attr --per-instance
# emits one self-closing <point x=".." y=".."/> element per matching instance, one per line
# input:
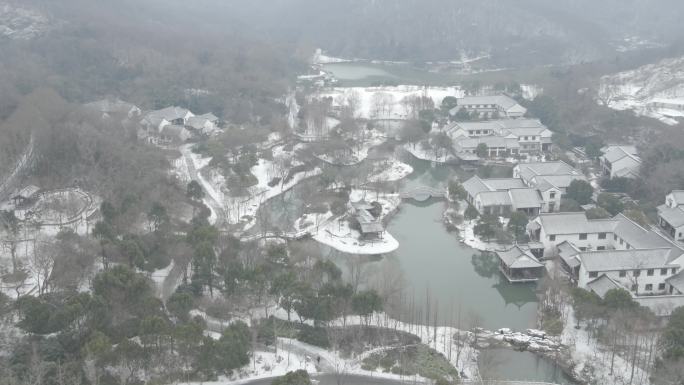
<point x="430" y="259"/>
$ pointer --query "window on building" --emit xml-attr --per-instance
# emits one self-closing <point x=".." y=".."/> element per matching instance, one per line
<point x="663" y="271"/>
<point x="661" y="286"/>
<point x="623" y="273"/>
<point x="635" y="287"/>
<point x="614" y="237"/>
<point x="649" y="272"/>
<point x="552" y="237"/>
<point x="621" y="241"/>
<point x="649" y="287"/>
<point x="627" y="246"/>
<point x="552" y="195"/>
<point x="674" y="270"/>
<point x="583" y="236"/>
<point x="636" y="273"/>
<point x="602" y="235"/>
<point x="583" y="249"/>
<point x="601" y="248"/>
<point x="593" y="274"/>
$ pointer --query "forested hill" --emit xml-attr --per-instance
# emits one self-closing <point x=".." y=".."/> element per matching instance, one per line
<point x="152" y="53"/>
<point x="519" y="32"/>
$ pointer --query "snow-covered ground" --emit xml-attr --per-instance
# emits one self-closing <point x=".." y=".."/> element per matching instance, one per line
<point x="649" y="90"/>
<point x="336" y="233"/>
<point x="267" y="364"/>
<point x="358" y="154"/>
<point x="389" y="170"/>
<point x="591" y="357"/>
<point x="423" y="153"/>
<point x="242" y="209"/>
<point x="386" y="102"/>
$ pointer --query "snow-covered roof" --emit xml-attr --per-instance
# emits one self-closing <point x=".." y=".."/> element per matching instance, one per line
<point x="168" y="113"/>
<point x="176" y="132"/>
<point x="574" y="223"/>
<point x="503" y="101"/>
<point x="672" y="215"/>
<point x="529" y="170"/>
<point x="559" y="181"/>
<point x="518" y="258"/>
<point x="614" y="260"/>
<point x="677" y="196"/>
<point x="108" y="106"/>
<point x="640" y="237"/>
<point x="615" y="153"/>
<point x="27" y="192"/>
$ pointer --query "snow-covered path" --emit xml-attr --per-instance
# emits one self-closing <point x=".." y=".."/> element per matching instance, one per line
<point x="212" y="199"/>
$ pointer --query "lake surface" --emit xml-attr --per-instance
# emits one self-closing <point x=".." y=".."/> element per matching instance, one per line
<point x="434" y="260"/>
<point x="356" y="71"/>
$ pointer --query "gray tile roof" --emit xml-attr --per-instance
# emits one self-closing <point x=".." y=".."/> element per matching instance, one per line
<point x="495" y="198"/>
<point x="642" y="238"/>
<point x="560" y="181"/>
<point x="614" y="260"/>
<point x="525" y="198"/>
<point x="678" y="196"/>
<point x="503" y="183"/>
<point x="615" y="153"/>
<point x="518" y="258"/>
<point x="557" y="173"/>
<point x="499" y="100"/>
<point x="673" y="216"/>
<point x="574" y="223"/>
<point x="677" y="281"/>
<point x="474" y="186"/>
<point x="569" y="254"/>
<point x="602" y="285"/>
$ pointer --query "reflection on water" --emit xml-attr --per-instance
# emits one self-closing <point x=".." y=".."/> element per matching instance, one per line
<point x="434" y="261"/>
<point x="497" y="364"/>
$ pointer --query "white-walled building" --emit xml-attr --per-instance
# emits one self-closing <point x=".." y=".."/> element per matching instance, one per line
<point x="490" y="106"/>
<point x="600" y="254"/>
<point x="502" y="196"/>
<point x="545" y="175"/>
<point x="620" y="161"/>
<point x="530" y="134"/>
<point x="671" y="215"/>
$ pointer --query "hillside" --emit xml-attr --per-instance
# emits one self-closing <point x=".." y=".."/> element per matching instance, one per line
<point x="519" y="33"/>
<point x="645" y="89"/>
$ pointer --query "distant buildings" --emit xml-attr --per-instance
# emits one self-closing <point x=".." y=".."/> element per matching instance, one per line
<point x="671" y="215"/>
<point x="25" y="196"/>
<point x="496" y="106"/>
<point x="620" y="161"/>
<point x="601" y="254"/>
<point x="114" y="107"/>
<point x="177" y="124"/>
